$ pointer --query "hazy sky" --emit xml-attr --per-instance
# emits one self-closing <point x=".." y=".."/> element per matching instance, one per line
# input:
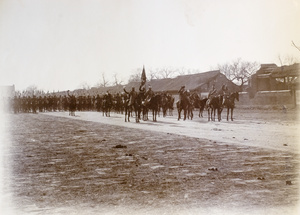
<point x="61" y="44"/>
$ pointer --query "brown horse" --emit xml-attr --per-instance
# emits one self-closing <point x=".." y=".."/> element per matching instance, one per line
<point x="229" y="103"/>
<point x="202" y="105"/>
<point x="133" y="104"/>
<point x="167" y="103"/>
<point x="154" y="105"/>
<point x="182" y="104"/>
<point x="213" y="104"/>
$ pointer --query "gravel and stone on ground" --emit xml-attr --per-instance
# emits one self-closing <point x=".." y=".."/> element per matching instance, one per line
<point x="62" y="165"/>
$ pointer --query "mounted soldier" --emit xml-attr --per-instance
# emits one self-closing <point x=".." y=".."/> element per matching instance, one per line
<point x="181" y="92"/>
<point x="224" y="93"/>
<point x="211" y="94"/>
<point x="132" y="95"/>
<point x="149" y="94"/>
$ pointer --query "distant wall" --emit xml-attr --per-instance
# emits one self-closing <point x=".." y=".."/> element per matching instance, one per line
<point x="272" y="99"/>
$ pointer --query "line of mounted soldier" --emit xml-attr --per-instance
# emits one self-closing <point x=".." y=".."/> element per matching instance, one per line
<point x="120" y="102"/>
<point x="215" y="102"/>
<point x="132" y="103"/>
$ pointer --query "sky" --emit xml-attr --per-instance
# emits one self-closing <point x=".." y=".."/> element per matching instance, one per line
<point x="59" y="45"/>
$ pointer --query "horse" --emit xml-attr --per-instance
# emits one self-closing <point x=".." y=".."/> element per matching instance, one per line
<point x="107" y="104"/>
<point x="192" y="102"/>
<point x="170" y="104"/>
<point x="197" y="103"/>
<point x="182" y="104"/>
<point x="127" y="110"/>
<point x="229" y="103"/>
<point x="133" y="104"/>
<point x="154" y="105"/>
<point x="72" y="104"/>
<point x="202" y="104"/>
<point x="214" y="103"/>
<point x="167" y="103"/>
<point x="145" y="108"/>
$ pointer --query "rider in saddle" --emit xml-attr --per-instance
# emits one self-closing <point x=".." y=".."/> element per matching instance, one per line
<point x="142" y="92"/>
<point x="149" y="94"/>
<point x="224" y="93"/>
<point x="132" y="95"/>
<point x="181" y="92"/>
<point x="212" y="93"/>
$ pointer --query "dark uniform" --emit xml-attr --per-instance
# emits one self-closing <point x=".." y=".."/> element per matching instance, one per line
<point x="132" y="95"/>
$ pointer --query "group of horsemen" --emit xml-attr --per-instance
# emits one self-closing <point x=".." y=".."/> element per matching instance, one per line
<point x="223" y="93"/>
<point x="129" y="97"/>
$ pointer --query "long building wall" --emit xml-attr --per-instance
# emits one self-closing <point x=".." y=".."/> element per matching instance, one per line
<point x="275" y="99"/>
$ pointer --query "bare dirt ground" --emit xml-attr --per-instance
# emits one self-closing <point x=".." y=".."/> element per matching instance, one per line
<point x="91" y="164"/>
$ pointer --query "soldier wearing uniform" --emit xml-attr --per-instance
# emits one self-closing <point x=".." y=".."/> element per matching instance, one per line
<point x="224" y="92"/>
<point x="149" y="94"/>
<point x="132" y="95"/>
<point x="211" y="94"/>
<point x="181" y="92"/>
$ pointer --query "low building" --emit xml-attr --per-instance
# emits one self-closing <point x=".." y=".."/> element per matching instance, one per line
<point x="200" y="83"/>
<point x="270" y="77"/>
<point x="273" y="86"/>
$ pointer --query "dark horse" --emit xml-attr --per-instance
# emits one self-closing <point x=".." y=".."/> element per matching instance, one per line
<point x="154" y="105"/>
<point x="133" y="104"/>
<point x="213" y="104"/>
<point x="167" y="103"/>
<point x="202" y="104"/>
<point x="229" y="103"/>
<point x="199" y="103"/>
<point x="107" y="104"/>
<point x="72" y="104"/>
<point x="182" y="104"/>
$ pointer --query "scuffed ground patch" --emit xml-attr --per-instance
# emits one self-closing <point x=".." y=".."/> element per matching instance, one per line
<point x="61" y="165"/>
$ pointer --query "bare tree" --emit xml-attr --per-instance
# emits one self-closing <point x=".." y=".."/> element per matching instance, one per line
<point x="135" y="76"/>
<point x="239" y="71"/>
<point x="31" y="90"/>
<point x="297" y="47"/>
<point x="152" y="74"/>
<point x="180" y="71"/>
<point x="287" y="60"/>
<point x="85" y="86"/>
<point x="166" y="72"/>
<point x="104" y="82"/>
<point x="116" y="80"/>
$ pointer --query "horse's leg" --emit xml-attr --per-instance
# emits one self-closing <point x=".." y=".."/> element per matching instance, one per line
<point x="137" y="116"/>
<point x="208" y="113"/>
<point x="227" y="113"/>
<point x="128" y="113"/>
<point x="231" y="114"/>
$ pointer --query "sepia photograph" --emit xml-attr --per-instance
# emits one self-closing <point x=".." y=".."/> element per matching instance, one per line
<point x="133" y="107"/>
